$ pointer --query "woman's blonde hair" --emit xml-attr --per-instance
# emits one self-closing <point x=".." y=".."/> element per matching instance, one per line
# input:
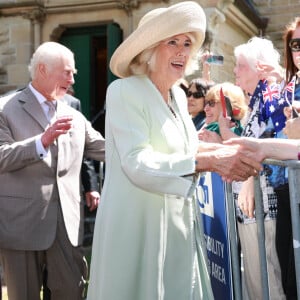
<point x="234" y="93"/>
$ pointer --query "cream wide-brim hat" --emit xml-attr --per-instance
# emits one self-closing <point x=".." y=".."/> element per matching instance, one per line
<point x="158" y="25"/>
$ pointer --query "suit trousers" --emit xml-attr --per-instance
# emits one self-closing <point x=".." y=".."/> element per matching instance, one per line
<point x="65" y="264"/>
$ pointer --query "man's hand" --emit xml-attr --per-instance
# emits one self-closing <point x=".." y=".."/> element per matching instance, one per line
<point x="92" y="199"/>
<point x="61" y="126"/>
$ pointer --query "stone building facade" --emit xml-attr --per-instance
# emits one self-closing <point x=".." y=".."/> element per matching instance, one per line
<point x="94" y="28"/>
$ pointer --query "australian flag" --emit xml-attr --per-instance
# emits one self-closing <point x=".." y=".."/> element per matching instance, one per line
<point x="272" y="105"/>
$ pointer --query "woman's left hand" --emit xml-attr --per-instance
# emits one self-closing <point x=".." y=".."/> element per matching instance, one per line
<point x="209" y="136"/>
<point x="246" y="198"/>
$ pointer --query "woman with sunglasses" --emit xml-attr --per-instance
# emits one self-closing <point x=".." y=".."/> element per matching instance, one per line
<point x="236" y="110"/>
<point x="292" y="65"/>
<point x="291" y="93"/>
<point x="196" y="95"/>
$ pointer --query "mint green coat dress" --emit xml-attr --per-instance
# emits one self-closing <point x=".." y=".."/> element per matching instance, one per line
<point x="146" y="244"/>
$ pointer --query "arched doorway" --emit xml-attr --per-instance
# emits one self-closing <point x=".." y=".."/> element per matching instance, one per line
<point x="92" y="47"/>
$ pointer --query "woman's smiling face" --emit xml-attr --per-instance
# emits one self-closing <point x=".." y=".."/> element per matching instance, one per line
<point x="171" y="58"/>
<point x="212" y="110"/>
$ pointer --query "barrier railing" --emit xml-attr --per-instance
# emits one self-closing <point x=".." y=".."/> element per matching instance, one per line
<point x="293" y="167"/>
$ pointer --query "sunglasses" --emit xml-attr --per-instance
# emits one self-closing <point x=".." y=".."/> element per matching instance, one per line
<point x="210" y="103"/>
<point x="294" y="45"/>
<point x="196" y="95"/>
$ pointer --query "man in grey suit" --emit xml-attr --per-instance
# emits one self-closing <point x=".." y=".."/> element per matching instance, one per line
<point x="41" y="221"/>
<point x="88" y="179"/>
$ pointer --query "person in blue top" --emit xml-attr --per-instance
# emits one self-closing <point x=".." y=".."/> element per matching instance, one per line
<point x="265" y="119"/>
<point x="291" y="94"/>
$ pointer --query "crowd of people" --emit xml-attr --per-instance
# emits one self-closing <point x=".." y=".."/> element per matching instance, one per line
<point x="272" y="100"/>
<point x="148" y="238"/>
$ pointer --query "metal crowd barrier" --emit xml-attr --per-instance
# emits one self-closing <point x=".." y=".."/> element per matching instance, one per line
<point x="293" y="167"/>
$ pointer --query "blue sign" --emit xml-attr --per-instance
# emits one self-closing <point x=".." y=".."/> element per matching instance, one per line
<point x="212" y="202"/>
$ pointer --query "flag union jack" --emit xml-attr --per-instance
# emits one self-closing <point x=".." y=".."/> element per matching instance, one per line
<point x="271" y="92"/>
<point x="291" y="85"/>
<point x="289" y="91"/>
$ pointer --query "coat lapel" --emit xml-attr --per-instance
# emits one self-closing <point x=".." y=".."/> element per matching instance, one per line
<point x="32" y="107"/>
<point x="186" y="130"/>
<point x="188" y="124"/>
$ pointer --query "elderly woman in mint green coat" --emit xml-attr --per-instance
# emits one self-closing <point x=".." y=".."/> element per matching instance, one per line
<point x="148" y="243"/>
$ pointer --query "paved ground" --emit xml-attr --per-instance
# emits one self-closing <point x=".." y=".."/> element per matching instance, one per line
<point x="4" y="293"/>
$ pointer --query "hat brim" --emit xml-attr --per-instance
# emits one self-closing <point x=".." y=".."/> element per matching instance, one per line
<point x="184" y="17"/>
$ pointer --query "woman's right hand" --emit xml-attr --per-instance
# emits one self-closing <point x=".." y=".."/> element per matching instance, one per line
<point x="225" y="124"/>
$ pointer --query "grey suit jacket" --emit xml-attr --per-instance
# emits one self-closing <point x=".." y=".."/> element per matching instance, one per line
<point x="28" y="209"/>
<point x="89" y="176"/>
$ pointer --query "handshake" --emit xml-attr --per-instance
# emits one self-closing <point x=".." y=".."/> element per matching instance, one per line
<point x="233" y="161"/>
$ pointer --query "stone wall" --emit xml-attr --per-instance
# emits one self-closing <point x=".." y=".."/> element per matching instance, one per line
<point x="279" y="13"/>
<point x="26" y="24"/>
<point x="15" y="51"/>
